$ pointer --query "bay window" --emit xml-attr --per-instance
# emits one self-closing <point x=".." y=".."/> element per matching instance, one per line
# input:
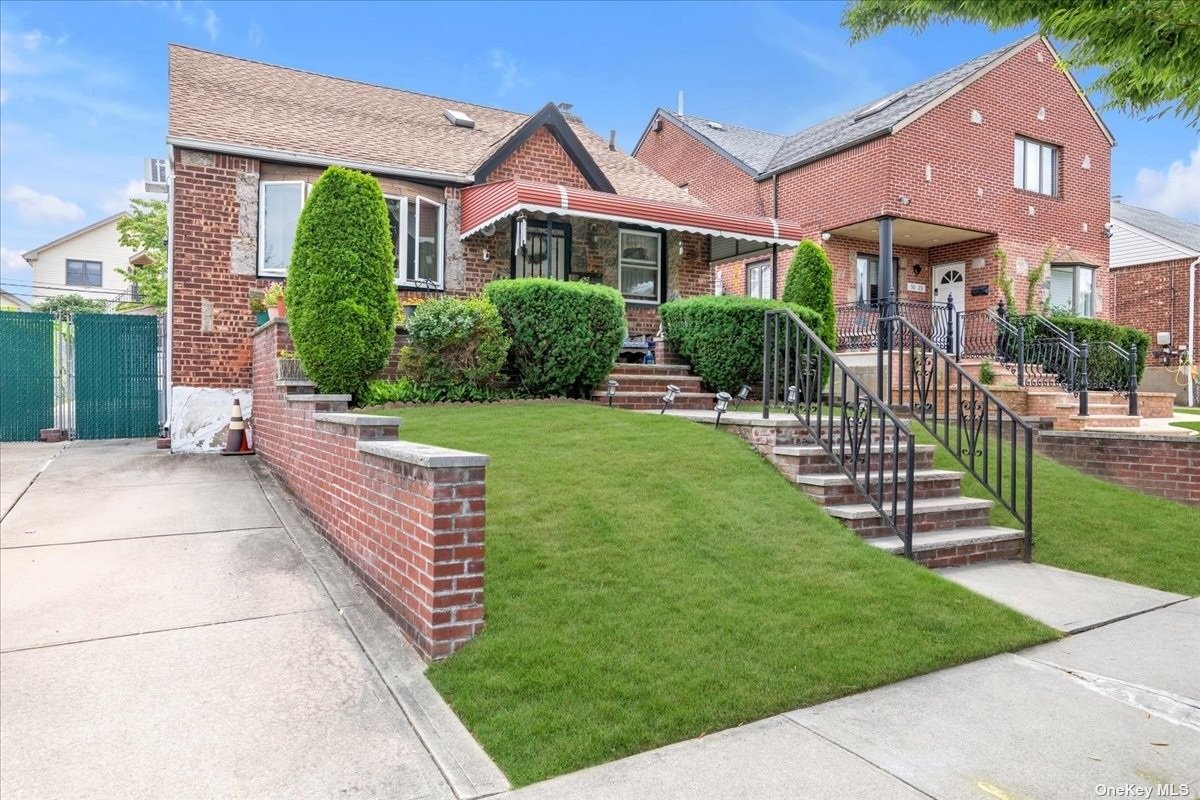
<point x="1073" y="289"/>
<point x="639" y="265"/>
<point x="418" y="235"/>
<point x="279" y="204"/>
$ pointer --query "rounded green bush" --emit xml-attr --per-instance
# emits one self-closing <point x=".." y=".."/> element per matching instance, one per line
<point x="341" y="295"/>
<point x="810" y="284"/>
<point x="457" y="342"/>
<point x="565" y="336"/>
<point x="722" y="337"/>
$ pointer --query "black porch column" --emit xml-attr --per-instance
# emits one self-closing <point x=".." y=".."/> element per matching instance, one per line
<point x="885" y="260"/>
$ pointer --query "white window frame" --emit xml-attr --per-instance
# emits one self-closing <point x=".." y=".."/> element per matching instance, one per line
<point x="658" y="266"/>
<point x="262" y="222"/>
<point x="764" y="281"/>
<point x="1021" y="145"/>
<point x="401" y="246"/>
<point x="85" y="262"/>
<point x="1076" y="269"/>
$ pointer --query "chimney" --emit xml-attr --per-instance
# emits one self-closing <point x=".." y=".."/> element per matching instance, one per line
<point x="612" y="139"/>
<point x="681" y="102"/>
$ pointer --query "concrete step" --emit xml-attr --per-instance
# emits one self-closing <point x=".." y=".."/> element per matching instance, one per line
<point x="958" y="547"/>
<point x="794" y="460"/>
<point x="650" y="383"/>
<point x="653" y="369"/>
<point x="834" y="488"/>
<point x="1078" y="423"/>
<point x="932" y="514"/>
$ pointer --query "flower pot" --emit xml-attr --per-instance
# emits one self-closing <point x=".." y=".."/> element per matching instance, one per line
<point x="273" y="312"/>
<point x="261" y="317"/>
<point x="280" y="308"/>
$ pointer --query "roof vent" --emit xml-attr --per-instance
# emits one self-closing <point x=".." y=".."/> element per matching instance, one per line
<point x="879" y="105"/>
<point x="458" y="118"/>
<point x="716" y="126"/>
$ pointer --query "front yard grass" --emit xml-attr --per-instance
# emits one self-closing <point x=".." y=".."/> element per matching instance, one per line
<point x="1191" y="426"/>
<point x="1089" y="525"/>
<point x="650" y="579"/>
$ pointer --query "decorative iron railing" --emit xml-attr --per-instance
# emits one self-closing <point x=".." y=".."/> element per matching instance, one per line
<point x="987" y="438"/>
<point x="866" y="439"/>
<point x="857" y="324"/>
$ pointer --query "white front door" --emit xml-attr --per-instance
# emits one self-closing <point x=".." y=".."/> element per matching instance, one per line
<point x="949" y="280"/>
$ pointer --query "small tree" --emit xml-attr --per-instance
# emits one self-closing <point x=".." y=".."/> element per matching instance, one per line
<point x="71" y="304"/>
<point x="145" y="230"/>
<point x="340" y="295"/>
<point x="810" y="284"/>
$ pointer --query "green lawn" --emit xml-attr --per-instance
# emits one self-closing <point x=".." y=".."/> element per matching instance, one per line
<point x="650" y="579"/>
<point x="1186" y="410"/>
<point x="1089" y="525"/>
<point x="1191" y="426"/>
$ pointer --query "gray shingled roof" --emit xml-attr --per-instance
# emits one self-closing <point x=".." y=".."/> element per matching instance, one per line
<point x="1169" y="228"/>
<point x="768" y="153"/>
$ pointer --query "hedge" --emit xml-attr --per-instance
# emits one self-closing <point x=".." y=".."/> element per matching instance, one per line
<point x="455" y="342"/>
<point x="1105" y="368"/>
<point x="565" y="336"/>
<point x="722" y="337"/>
<point x="341" y="294"/>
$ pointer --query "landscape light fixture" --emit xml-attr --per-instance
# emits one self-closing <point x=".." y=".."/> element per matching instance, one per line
<point x="743" y="394"/>
<point x="612" y="391"/>
<point x="792" y="396"/>
<point x="669" y="397"/>
<point x="721" y="405"/>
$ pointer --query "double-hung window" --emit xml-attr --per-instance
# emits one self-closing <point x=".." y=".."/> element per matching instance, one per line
<point x="84" y="273"/>
<point x="868" y="277"/>
<point x="639" y="265"/>
<point x="1035" y="166"/>
<point x="758" y="280"/>
<point x="418" y="234"/>
<point x="279" y="204"/>
<point x="1073" y="288"/>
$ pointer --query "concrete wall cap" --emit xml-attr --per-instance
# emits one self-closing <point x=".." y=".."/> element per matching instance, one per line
<point x="269" y="324"/>
<point x="357" y="420"/>
<point x="318" y="398"/>
<point x="1132" y="438"/>
<point x="423" y="455"/>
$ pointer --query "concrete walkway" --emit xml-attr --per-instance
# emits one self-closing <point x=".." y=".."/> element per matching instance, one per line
<point x="171" y="627"/>
<point x="20" y="463"/>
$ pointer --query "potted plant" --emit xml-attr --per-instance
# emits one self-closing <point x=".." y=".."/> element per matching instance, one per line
<point x="258" y="306"/>
<point x="273" y="300"/>
<point x="289" y="366"/>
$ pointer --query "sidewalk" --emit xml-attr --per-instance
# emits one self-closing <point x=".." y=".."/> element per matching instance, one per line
<point x="171" y="627"/>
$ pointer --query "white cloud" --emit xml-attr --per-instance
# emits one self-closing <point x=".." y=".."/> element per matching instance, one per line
<point x="255" y="34"/>
<point x="11" y="260"/>
<point x="35" y="207"/>
<point x="118" y="199"/>
<point x="1174" y="191"/>
<point x="211" y="21"/>
<point x="3" y="96"/>
<point x="505" y="66"/>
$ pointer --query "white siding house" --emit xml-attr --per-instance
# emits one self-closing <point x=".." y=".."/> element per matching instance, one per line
<point x="84" y="262"/>
<point x="1140" y="236"/>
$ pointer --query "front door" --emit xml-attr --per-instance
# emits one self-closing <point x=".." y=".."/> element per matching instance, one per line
<point x="949" y="281"/>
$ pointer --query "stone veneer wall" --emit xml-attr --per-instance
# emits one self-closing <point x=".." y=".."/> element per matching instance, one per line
<point x="1166" y="466"/>
<point x="407" y="518"/>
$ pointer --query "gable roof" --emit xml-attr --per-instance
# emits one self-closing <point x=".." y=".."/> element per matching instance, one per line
<point x="552" y="119"/>
<point x="1184" y="234"/>
<point x="232" y="105"/>
<point x="767" y="154"/>
<point x="32" y="255"/>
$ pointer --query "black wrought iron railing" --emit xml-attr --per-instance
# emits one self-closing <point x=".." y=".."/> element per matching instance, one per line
<point x="987" y="438"/>
<point x="866" y="439"/>
<point x="857" y="324"/>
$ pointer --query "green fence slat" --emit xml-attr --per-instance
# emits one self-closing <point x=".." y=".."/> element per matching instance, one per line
<point x="26" y="375"/>
<point x="116" y="376"/>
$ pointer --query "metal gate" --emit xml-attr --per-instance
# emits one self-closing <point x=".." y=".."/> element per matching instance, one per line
<point x="26" y="375"/>
<point x="96" y="376"/>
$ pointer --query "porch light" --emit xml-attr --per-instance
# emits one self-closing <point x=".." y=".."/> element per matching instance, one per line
<point x="721" y="405"/>
<point x="743" y="394"/>
<point x="792" y="396"/>
<point x="612" y="391"/>
<point x="669" y="397"/>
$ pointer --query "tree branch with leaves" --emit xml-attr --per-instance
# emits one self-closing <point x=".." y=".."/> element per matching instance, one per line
<point x="145" y="230"/>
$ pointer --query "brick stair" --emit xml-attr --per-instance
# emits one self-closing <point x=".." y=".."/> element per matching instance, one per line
<point x="642" y="386"/>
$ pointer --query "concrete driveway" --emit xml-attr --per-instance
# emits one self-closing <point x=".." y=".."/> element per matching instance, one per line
<point x="170" y="626"/>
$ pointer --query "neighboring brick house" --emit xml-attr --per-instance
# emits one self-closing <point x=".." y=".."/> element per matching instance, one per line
<point x="1154" y="263"/>
<point x="463" y="183"/>
<point x="1002" y="152"/>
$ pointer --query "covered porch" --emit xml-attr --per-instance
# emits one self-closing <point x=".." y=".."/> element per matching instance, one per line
<point x="649" y="251"/>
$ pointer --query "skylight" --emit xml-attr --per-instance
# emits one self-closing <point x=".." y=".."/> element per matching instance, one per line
<point x="459" y="119"/>
<point x="879" y="105"/>
<point x="716" y="126"/>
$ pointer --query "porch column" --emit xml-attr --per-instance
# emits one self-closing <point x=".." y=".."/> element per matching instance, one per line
<point x="885" y="258"/>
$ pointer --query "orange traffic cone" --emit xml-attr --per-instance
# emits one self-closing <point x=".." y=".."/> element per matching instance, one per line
<point x="238" y="441"/>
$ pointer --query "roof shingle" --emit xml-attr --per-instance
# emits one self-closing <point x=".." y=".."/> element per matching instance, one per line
<point x="1169" y="228"/>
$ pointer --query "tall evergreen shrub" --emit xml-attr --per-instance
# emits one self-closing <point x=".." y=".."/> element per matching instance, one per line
<point x="810" y="284"/>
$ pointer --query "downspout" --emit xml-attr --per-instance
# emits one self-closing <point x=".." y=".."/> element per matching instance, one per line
<point x="170" y="337"/>
<point x="1191" y="381"/>
<point x="774" y="247"/>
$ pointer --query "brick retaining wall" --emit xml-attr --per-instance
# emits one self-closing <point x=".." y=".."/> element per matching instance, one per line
<point x="407" y="518"/>
<point x="1166" y="466"/>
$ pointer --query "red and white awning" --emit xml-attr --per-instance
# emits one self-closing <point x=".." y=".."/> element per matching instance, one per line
<point x="488" y="203"/>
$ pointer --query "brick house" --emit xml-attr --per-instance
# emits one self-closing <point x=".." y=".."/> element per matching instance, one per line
<point x="474" y="194"/>
<point x="1154" y="262"/>
<point x="1003" y="152"/>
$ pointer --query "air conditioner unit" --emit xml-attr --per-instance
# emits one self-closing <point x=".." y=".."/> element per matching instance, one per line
<point x="156" y="175"/>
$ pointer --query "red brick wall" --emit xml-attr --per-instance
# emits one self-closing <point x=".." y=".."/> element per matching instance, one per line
<point x="205" y="223"/>
<point x="540" y="158"/>
<point x="414" y="534"/>
<point x="1165" y="466"/>
<point x="1153" y="298"/>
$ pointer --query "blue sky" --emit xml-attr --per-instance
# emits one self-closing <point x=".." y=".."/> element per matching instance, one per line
<point x="83" y="86"/>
